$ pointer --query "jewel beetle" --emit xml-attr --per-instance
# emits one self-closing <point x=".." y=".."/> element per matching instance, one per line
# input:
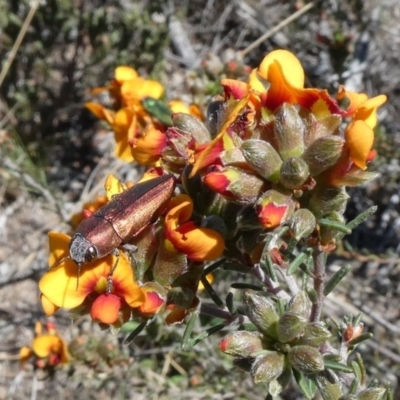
<point x="122" y="218"/>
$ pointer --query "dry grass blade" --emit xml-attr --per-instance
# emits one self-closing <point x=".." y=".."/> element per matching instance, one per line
<point x="19" y="40"/>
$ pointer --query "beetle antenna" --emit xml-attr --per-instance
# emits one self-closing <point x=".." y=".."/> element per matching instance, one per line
<point x="56" y="264"/>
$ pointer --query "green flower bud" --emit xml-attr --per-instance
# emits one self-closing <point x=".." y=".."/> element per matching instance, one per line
<point x="192" y="126"/>
<point x="241" y="344"/>
<point x="276" y="386"/>
<point x="233" y="157"/>
<point x="267" y="367"/>
<point x="306" y="359"/>
<point x="289" y="132"/>
<point x="355" y="178"/>
<point x="290" y="326"/>
<point x="303" y="223"/>
<point x="235" y="184"/>
<point x="323" y="153"/>
<point x="300" y="304"/>
<point x="327" y="199"/>
<point x="262" y="158"/>
<point x="314" y="335"/>
<point x="261" y="312"/>
<point x="372" y="394"/>
<point x="294" y="172"/>
<point x="316" y="128"/>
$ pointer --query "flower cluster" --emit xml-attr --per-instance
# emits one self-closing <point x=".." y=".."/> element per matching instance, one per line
<point x="48" y="348"/>
<point x="265" y="171"/>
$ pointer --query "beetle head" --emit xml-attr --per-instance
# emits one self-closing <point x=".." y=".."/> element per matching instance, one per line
<point x="82" y="250"/>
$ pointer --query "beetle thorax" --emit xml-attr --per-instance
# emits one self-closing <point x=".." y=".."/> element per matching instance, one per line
<point x="82" y="250"/>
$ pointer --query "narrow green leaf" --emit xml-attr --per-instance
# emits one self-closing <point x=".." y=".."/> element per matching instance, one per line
<point x="354" y="386"/>
<point x="295" y="264"/>
<point x="211" y="292"/>
<point x="363" y="337"/>
<point x="306" y="385"/>
<point x="328" y="223"/>
<point x="336" y="366"/>
<point x="362" y="217"/>
<point x="229" y="303"/>
<point x="202" y="336"/>
<point x="358" y="319"/>
<point x="269" y="266"/>
<point x="136" y="332"/>
<point x="312" y="294"/>
<point x="336" y="278"/>
<point x="240" y="285"/>
<point x="212" y="267"/>
<point x="189" y="330"/>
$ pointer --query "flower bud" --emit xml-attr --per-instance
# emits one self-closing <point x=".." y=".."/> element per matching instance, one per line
<point x="325" y="200"/>
<point x="261" y="312"/>
<point x="317" y="128"/>
<point x="235" y="184"/>
<point x="353" y="178"/>
<point x="315" y="334"/>
<point x="323" y="153"/>
<point x="233" y="157"/>
<point x="262" y="158"/>
<point x="267" y="367"/>
<point x="241" y="344"/>
<point x="303" y="223"/>
<point x="294" y="172"/>
<point x="289" y="132"/>
<point x="191" y="126"/>
<point x="156" y="297"/>
<point x="274" y="208"/>
<point x="306" y="359"/>
<point x="290" y="326"/>
<point x="372" y="394"/>
<point x="300" y="304"/>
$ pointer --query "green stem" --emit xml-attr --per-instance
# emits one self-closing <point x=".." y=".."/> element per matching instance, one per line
<point x="319" y="284"/>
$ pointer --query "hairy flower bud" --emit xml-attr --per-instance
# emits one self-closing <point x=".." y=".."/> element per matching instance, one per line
<point x="372" y="394"/>
<point x="325" y="200"/>
<point x="262" y="158"/>
<point x="323" y="153"/>
<point x="306" y="359"/>
<point x="294" y="172"/>
<point x="235" y="184"/>
<point x="261" y="312"/>
<point x="289" y="132"/>
<point x="317" y="128"/>
<point x="303" y="223"/>
<point x="192" y="126"/>
<point x="274" y="208"/>
<point x="290" y="326"/>
<point x="267" y="367"/>
<point x="241" y="344"/>
<point x="315" y="334"/>
<point x="300" y="303"/>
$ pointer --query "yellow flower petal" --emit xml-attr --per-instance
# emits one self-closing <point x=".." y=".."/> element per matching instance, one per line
<point x="282" y="62"/>
<point x="124" y="73"/>
<point x="113" y="186"/>
<point x="359" y="138"/>
<point x="48" y="307"/>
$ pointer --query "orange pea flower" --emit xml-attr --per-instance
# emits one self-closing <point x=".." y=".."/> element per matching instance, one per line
<point x="48" y="348"/>
<point x="104" y="291"/>
<point x="200" y="244"/>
